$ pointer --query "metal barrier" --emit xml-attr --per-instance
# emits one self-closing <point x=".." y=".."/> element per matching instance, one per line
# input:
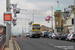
<point x="2" y="40"/>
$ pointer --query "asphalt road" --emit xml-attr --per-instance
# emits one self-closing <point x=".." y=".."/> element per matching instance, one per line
<point x="26" y="43"/>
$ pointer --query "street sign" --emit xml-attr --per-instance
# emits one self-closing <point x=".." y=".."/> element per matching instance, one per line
<point x="7" y="17"/>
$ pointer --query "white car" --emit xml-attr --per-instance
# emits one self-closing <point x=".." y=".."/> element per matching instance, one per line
<point x="53" y="35"/>
<point x="27" y="34"/>
<point x="70" y="37"/>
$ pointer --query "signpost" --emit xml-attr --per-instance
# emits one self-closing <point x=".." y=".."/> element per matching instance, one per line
<point x="8" y="18"/>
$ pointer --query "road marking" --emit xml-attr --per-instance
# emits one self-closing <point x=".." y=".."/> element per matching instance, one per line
<point x="52" y="45"/>
<point x="15" y="39"/>
<point x="17" y="46"/>
<point x="45" y="42"/>
<point x="58" y="46"/>
<point x="22" y="38"/>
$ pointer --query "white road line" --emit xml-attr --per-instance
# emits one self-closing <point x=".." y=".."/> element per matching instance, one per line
<point x="44" y="42"/>
<point x="52" y="45"/>
<point x="56" y="46"/>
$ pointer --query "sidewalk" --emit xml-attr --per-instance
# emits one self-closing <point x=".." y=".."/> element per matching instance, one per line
<point x="11" y="47"/>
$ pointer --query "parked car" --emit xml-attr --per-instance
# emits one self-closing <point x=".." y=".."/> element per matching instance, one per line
<point x="42" y="35"/>
<point x="71" y="37"/>
<point x="51" y="35"/>
<point x="58" y="35"/>
<point x="46" y="34"/>
<point x="64" y="36"/>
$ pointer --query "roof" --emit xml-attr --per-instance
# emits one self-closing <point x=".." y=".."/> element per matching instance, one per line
<point x="45" y="28"/>
<point x="58" y="8"/>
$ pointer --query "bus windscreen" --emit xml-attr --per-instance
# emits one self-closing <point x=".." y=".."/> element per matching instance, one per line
<point x="36" y="27"/>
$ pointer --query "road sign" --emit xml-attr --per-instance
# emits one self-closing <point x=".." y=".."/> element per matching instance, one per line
<point x="7" y="17"/>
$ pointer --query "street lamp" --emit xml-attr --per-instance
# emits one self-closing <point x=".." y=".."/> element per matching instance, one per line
<point x="74" y="16"/>
<point x="52" y="23"/>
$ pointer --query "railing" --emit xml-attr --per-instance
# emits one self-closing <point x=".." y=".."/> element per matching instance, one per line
<point x="2" y="40"/>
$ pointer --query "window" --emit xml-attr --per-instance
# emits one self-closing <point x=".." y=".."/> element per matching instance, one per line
<point x="56" y="23"/>
<point x="72" y="21"/>
<point x="36" y="27"/>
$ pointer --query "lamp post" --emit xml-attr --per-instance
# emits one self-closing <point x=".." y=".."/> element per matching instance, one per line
<point x="74" y="16"/>
<point x="52" y="17"/>
<point x="25" y="22"/>
<point x="52" y="23"/>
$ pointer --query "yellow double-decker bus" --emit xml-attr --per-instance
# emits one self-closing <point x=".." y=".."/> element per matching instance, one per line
<point x="36" y="30"/>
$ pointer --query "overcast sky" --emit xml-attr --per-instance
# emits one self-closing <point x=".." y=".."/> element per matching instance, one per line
<point x="36" y="5"/>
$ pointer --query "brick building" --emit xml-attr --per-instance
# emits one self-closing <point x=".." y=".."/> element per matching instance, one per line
<point x="58" y="20"/>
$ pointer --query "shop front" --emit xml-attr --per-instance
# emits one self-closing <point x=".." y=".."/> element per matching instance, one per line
<point x="71" y="29"/>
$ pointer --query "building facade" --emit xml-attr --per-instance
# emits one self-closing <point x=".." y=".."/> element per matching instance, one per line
<point x="45" y="29"/>
<point x="69" y="20"/>
<point x="58" y="20"/>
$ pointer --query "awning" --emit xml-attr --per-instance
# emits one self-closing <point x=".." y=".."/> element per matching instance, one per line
<point x="70" y="27"/>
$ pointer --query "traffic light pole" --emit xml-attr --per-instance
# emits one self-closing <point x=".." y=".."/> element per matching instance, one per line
<point x="8" y="26"/>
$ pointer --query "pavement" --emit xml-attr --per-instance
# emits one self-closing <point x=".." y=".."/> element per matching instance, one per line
<point x="26" y="43"/>
<point x="11" y="47"/>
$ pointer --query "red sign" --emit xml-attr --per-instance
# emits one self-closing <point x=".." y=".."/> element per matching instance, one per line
<point x="7" y="17"/>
